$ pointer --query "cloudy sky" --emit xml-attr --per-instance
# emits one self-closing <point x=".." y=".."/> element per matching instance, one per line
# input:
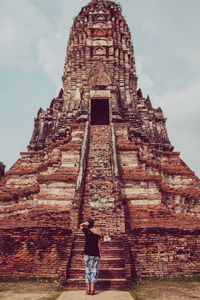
<point x="33" y="39"/>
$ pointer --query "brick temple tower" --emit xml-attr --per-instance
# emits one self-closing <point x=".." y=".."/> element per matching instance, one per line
<point x="101" y="150"/>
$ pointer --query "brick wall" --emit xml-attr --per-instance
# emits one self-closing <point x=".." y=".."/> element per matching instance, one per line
<point x="165" y="252"/>
<point x="34" y="252"/>
<point x="45" y="252"/>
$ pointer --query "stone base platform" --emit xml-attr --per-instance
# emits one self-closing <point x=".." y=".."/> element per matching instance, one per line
<point x="101" y="295"/>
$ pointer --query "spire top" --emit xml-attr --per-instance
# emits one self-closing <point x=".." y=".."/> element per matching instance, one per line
<point x="99" y="3"/>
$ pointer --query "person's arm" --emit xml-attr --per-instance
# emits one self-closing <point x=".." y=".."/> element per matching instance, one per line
<point x="85" y="224"/>
<point x="99" y="244"/>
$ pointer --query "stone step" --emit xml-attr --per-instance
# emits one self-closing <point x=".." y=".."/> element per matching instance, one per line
<point x="79" y="245"/>
<point x="101" y="284"/>
<point x="79" y="273"/>
<point x="99" y="167"/>
<point x="79" y="235"/>
<point x="104" y="262"/>
<point x="96" y="136"/>
<point x="105" y="245"/>
<point x="100" y="170"/>
<point x="110" y="252"/>
<point x="97" y="180"/>
<point x="99" y="146"/>
<point x="94" y="152"/>
<point x="114" y="239"/>
<point x="78" y="256"/>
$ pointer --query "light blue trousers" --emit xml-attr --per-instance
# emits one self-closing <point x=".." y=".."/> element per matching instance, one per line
<point x="91" y="268"/>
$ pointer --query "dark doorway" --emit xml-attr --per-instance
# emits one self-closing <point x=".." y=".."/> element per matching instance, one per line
<point x="99" y="112"/>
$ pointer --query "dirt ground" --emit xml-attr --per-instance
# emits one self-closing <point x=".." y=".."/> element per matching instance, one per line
<point x="167" y="290"/>
<point x="25" y="290"/>
<point x="144" y="290"/>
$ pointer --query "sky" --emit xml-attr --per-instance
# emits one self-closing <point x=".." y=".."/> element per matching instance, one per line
<point x="166" y="40"/>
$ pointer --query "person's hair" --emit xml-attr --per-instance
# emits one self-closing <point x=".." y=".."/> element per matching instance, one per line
<point x="91" y="223"/>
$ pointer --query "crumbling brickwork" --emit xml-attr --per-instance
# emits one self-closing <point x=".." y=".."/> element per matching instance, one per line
<point x="161" y="252"/>
<point x="34" y="252"/>
<point x="100" y="150"/>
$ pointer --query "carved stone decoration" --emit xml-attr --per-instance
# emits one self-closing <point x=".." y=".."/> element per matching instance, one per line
<point x="100" y="18"/>
<point x="100" y="33"/>
<point x="100" y="51"/>
<point x="100" y="76"/>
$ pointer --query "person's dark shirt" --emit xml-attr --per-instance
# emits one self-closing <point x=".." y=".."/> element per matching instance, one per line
<point x="91" y="242"/>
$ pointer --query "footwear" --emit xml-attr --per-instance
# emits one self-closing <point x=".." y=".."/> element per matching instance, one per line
<point x="92" y="292"/>
<point x="88" y="292"/>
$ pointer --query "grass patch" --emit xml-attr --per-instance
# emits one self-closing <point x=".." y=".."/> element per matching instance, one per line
<point x="192" y="278"/>
<point x="182" y="288"/>
<point x="22" y="279"/>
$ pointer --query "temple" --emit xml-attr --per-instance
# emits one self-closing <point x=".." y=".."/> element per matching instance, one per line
<point x="100" y="150"/>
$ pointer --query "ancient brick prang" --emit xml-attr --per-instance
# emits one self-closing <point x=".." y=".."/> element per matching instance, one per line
<point x="100" y="150"/>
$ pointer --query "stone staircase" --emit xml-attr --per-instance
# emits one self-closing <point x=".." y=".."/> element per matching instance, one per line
<point x="100" y="191"/>
<point x="99" y="198"/>
<point x="114" y="266"/>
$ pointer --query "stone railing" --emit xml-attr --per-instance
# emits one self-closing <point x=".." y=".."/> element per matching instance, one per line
<point x="77" y="202"/>
<point x="115" y="168"/>
<point x="83" y="158"/>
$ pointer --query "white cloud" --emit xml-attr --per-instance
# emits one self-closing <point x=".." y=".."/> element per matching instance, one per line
<point x="167" y="45"/>
<point x="166" y="35"/>
<point x="29" y="38"/>
<point x="181" y="103"/>
<point x="50" y="57"/>
<point x="22" y="25"/>
<point x="144" y="80"/>
<point x="182" y="109"/>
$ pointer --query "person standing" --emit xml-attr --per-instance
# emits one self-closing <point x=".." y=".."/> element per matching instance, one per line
<point x="92" y="254"/>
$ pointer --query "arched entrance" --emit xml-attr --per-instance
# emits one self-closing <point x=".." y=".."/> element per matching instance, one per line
<point x="99" y="112"/>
